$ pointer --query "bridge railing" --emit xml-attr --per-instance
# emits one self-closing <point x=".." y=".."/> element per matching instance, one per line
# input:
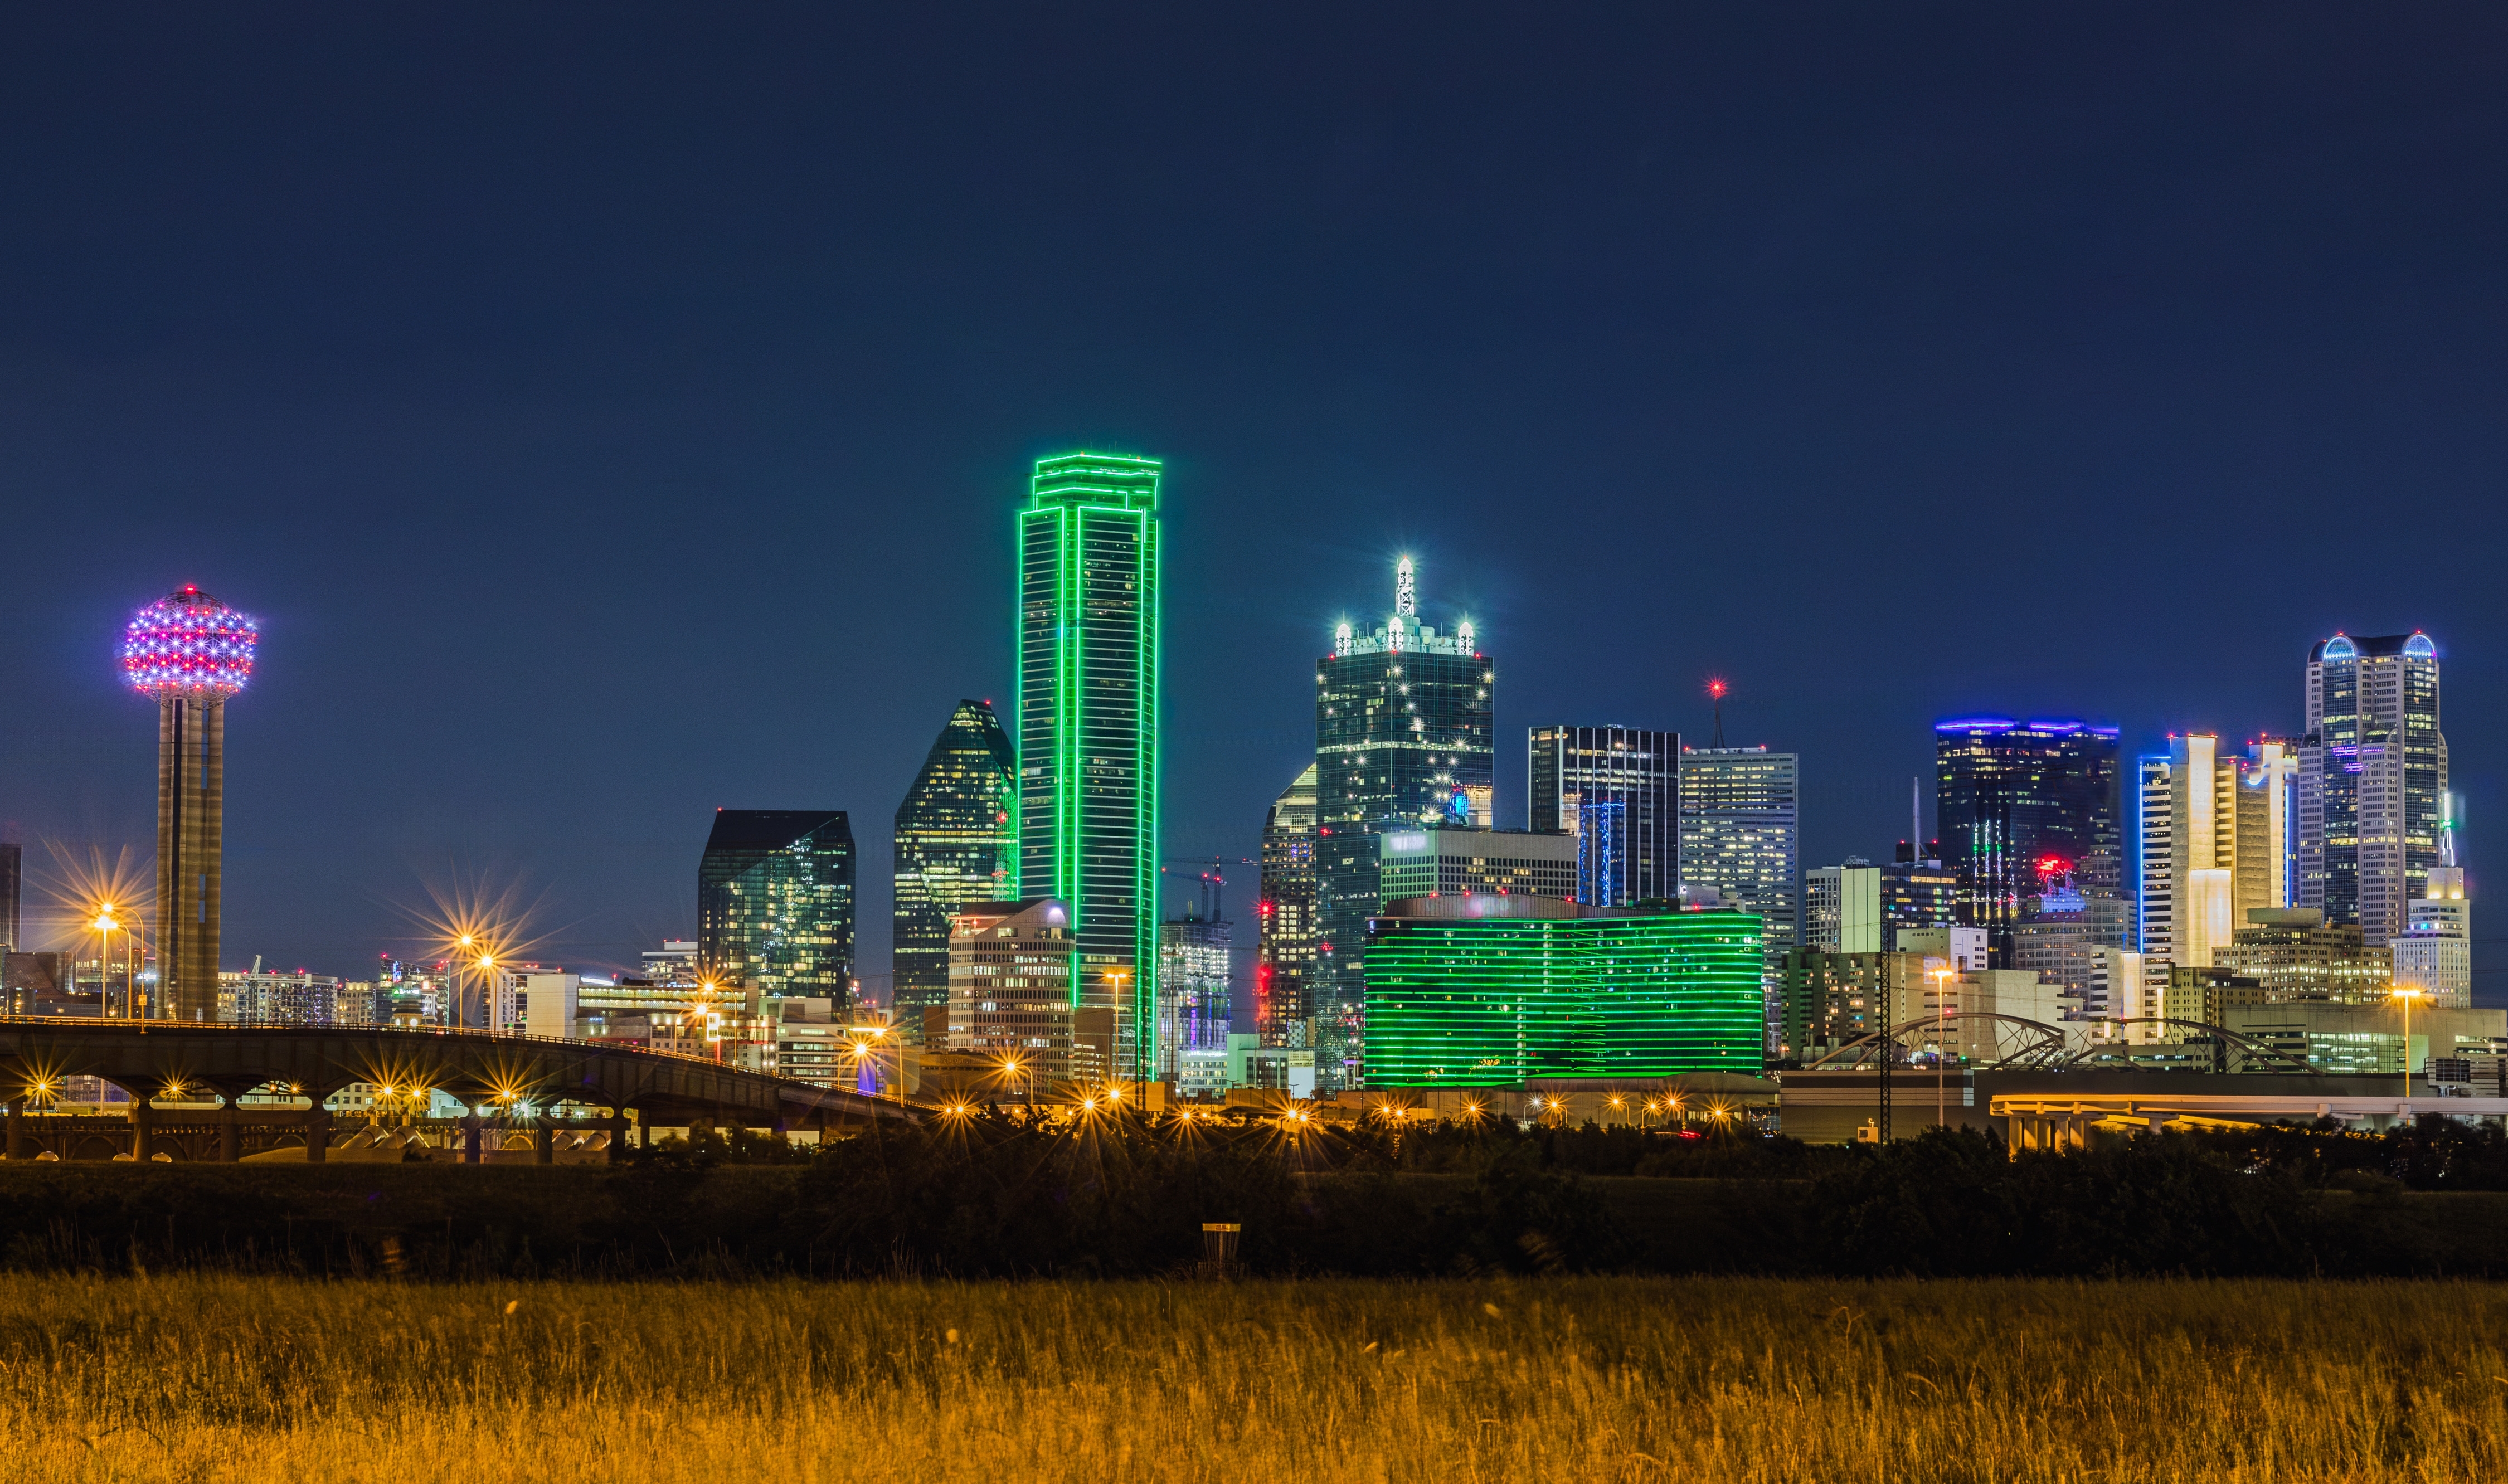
<point x="441" y="1032"/>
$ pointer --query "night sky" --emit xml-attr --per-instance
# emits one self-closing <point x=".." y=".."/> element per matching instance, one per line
<point x="616" y="411"/>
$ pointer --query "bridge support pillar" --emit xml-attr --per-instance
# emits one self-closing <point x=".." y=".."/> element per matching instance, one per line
<point x="16" y="1146"/>
<point x="543" y="1142"/>
<point x="317" y="1133"/>
<point x="143" y="1119"/>
<point x="618" y="1137"/>
<point x="469" y="1139"/>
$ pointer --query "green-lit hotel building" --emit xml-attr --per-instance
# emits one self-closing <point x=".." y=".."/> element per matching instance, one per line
<point x="1490" y="991"/>
<point x="1088" y="727"/>
<point x="957" y="842"/>
<point x="775" y="903"/>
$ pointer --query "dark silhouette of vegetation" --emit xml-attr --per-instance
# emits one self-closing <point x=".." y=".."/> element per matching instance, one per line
<point x="984" y="1196"/>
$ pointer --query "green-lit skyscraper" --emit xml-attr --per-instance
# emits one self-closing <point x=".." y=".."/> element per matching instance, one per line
<point x="1403" y="719"/>
<point x="957" y="841"/>
<point x="775" y="903"/>
<point x="1088" y="727"/>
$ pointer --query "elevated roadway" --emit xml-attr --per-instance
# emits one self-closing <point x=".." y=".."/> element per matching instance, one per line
<point x="179" y="1060"/>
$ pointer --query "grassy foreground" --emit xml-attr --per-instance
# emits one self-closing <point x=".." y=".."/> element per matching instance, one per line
<point x="217" y="1378"/>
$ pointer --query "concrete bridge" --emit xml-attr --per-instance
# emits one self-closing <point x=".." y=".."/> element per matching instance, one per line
<point x="185" y="1065"/>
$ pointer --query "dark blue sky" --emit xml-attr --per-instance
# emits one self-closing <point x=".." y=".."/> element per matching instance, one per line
<point x="616" y="411"/>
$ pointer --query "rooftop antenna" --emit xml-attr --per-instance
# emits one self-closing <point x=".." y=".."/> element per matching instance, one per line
<point x="1715" y="692"/>
<point x="1916" y="823"/>
<point x="1406" y="589"/>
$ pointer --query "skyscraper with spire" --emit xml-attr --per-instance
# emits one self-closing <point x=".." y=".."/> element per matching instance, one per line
<point x="1087" y="641"/>
<point x="956" y="843"/>
<point x="1403" y="737"/>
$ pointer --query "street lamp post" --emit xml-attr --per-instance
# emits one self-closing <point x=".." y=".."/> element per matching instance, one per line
<point x="1941" y="979"/>
<point x="2407" y="993"/>
<point x="104" y="925"/>
<point x="1144" y="1037"/>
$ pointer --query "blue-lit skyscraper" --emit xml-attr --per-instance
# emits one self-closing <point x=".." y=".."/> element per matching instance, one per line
<point x="2021" y="806"/>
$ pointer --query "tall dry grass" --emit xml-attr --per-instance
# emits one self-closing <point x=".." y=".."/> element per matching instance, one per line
<point x="220" y="1378"/>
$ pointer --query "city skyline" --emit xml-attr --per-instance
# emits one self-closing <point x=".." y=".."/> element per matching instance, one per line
<point x="425" y="456"/>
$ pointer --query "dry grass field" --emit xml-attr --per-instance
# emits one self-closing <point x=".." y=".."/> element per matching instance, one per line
<point x="214" y="1379"/>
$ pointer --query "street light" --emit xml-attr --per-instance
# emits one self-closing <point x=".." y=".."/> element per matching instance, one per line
<point x="105" y="927"/>
<point x="1941" y="979"/>
<point x="2407" y="993"/>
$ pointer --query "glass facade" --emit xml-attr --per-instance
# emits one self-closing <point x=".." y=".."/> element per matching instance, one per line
<point x="2020" y="806"/>
<point x="1617" y="789"/>
<point x="1741" y="835"/>
<point x="1551" y="989"/>
<point x="2373" y="778"/>
<point x="957" y="841"/>
<point x="1192" y="1002"/>
<point x="1087" y="728"/>
<point x="775" y="903"/>
<point x="1286" y="954"/>
<point x="1404" y="735"/>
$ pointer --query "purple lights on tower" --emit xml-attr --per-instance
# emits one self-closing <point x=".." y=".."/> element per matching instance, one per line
<point x="188" y="644"/>
<point x="189" y="653"/>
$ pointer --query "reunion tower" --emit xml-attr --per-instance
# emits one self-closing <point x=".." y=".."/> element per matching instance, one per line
<point x="189" y="652"/>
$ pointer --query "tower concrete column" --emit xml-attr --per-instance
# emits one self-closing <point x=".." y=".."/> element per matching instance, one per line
<point x="191" y="820"/>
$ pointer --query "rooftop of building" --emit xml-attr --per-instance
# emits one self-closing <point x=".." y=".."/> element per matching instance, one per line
<point x="772" y="829"/>
<point x="2343" y="646"/>
<point x="2040" y="727"/>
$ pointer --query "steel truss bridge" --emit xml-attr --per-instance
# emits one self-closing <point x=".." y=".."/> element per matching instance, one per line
<point x="2014" y="1042"/>
<point x="173" y="1060"/>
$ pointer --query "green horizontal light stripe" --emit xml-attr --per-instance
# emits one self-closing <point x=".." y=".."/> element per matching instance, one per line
<point x="1494" y="1002"/>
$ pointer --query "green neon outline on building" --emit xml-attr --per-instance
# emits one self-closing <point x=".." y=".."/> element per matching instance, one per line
<point x="1087" y="635"/>
<point x="1474" y="1002"/>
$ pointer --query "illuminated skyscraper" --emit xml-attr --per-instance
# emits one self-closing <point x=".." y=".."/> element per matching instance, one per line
<point x="190" y="653"/>
<point x="2371" y="780"/>
<point x="2211" y="845"/>
<point x="2021" y="806"/>
<point x="1194" y="986"/>
<point x="1403" y="737"/>
<point x="957" y="841"/>
<point x="1617" y="789"/>
<point x="1287" y="915"/>
<point x="1087" y="728"/>
<point x="775" y="903"/>
<point x="1741" y="835"/>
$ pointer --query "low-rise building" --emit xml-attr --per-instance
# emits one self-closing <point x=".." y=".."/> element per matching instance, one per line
<point x="2295" y="954"/>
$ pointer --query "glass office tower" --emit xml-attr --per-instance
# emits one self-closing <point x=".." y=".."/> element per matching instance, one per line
<point x="2020" y="806"/>
<point x="1403" y="737"/>
<point x="2371" y="780"/>
<point x="1087" y="728"/>
<point x="957" y="841"/>
<point x="1286" y="954"/>
<point x="1617" y="789"/>
<point x="775" y="903"/>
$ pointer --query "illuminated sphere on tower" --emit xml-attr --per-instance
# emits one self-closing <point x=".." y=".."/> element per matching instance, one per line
<point x="188" y="646"/>
<point x="190" y="653"/>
